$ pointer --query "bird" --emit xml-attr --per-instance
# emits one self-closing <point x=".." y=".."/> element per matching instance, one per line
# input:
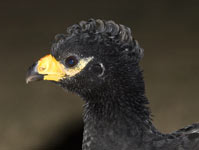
<point x="99" y="60"/>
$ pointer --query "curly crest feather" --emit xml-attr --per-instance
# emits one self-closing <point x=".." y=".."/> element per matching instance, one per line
<point x="103" y="32"/>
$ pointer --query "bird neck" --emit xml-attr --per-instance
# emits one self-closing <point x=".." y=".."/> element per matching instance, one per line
<point x="129" y="111"/>
<point x="120" y="111"/>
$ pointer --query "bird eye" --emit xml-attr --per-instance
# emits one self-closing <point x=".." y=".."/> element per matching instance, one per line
<point x="71" y="61"/>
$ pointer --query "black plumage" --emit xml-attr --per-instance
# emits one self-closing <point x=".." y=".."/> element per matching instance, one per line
<point x="116" y="114"/>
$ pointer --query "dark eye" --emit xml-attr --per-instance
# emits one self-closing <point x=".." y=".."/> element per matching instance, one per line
<point x="71" y="61"/>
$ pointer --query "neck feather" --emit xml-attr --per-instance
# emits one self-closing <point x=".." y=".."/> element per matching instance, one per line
<point x="120" y="111"/>
<point x="119" y="99"/>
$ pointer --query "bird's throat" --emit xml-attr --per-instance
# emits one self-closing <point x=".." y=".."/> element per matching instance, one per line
<point x="119" y="112"/>
<point x="125" y="118"/>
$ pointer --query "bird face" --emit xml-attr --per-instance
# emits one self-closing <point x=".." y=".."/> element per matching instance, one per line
<point x="75" y="68"/>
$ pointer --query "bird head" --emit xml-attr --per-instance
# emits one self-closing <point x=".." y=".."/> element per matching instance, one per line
<point x="89" y="57"/>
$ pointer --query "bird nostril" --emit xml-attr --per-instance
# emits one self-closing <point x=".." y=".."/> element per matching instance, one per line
<point x="41" y="69"/>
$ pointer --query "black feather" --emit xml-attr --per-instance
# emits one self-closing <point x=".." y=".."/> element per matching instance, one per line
<point x="116" y="114"/>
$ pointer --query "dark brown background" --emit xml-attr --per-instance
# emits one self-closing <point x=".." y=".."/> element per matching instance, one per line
<point x="168" y="30"/>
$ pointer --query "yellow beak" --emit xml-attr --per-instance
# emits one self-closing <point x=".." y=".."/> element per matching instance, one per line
<point x="47" y="68"/>
<point x="51" y="68"/>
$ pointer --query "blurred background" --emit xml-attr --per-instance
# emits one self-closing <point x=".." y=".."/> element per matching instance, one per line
<point x="42" y="116"/>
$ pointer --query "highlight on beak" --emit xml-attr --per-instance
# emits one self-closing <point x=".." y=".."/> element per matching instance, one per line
<point x="47" y="68"/>
<point x="32" y="74"/>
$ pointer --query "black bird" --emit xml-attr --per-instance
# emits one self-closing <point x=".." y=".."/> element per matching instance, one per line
<point x="99" y="60"/>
